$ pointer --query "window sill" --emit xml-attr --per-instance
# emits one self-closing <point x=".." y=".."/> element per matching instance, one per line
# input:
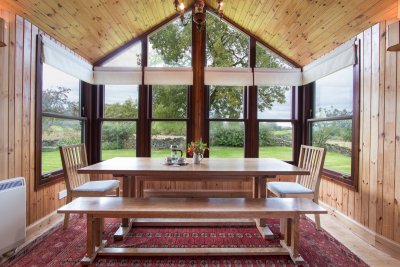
<point x="338" y="178"/>
<point x="55" y="177"/>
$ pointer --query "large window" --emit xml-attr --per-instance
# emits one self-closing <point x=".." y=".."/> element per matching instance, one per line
<point x="332" y="122"/>
<point x="275" y="117"/>
<point x="169" y="117"/>
<point x="120" y="114"/>
<point x="226" y="121"/>
<point x="171" y="45"/>
<point x="62" y="121"/>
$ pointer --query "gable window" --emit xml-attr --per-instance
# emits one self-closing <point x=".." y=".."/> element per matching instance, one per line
<point x="61" y="120"/>
<point x="334" y="115"/>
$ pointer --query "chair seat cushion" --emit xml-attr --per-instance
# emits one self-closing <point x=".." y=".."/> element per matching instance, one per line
<point x="97" y="186"/>
<point x="288" y="188"/>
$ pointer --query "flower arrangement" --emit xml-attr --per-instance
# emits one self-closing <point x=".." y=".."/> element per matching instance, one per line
<point x="196" y="147"/>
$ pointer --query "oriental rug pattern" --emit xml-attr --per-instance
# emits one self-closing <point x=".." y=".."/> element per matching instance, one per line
<point x="67" y="247"/>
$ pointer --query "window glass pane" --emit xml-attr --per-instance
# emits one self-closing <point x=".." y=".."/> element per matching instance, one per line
<point x="226" y="102"/>
<point x="171" y="46"/>
<point x="169" y="102"/>
<point x="165" y="134"/>
<point x="130" y="57"/>
<point x="61" y="92"/>
<point x="226" y="139"/>
<point x="225" y="45"/>
<point x="121" y="101"/>
<point x="274" y="102"/>
<point x="276" y="140"/>
<point x="336" y="137"/>
<point x="58" y="132"/>
<point x="118" y="139"/>
<point x="267" y="59"/>
<point x="333" y="95"/>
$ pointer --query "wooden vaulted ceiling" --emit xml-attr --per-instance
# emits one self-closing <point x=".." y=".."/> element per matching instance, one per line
<point x="303" y="30"/>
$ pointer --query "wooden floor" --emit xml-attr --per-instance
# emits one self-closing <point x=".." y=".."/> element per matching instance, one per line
<point x="366" y="252"/>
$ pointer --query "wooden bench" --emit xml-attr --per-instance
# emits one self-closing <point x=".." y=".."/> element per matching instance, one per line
<point x="98" y="208"/>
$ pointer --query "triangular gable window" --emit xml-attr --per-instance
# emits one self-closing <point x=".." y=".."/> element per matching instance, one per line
<point x="130" y="57"/>
<point x="267" y="59"/>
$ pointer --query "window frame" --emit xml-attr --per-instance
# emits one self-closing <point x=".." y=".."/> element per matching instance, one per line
<point x="329" y="174"/>
<point x="43" y="180"/>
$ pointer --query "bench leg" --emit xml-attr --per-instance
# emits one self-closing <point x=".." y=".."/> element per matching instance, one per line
<point x="292" y="238"/>
<point x="129" y="185"/>
<point x="94" y="242"/>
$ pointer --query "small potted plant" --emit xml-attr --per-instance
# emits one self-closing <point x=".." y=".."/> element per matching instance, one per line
<point x="196" y="150"/>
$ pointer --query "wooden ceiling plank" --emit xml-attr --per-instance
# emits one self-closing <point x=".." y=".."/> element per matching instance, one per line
<point x="321" y="48"/>
<point x="55" y="30"/>
<point x="343" y="29"/>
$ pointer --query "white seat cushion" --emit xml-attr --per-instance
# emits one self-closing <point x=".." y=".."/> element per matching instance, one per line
<point x="288" y="188"/>
<point x="97" y="186"/>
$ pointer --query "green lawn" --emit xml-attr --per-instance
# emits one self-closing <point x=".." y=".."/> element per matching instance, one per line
<point x="51" y="160"/>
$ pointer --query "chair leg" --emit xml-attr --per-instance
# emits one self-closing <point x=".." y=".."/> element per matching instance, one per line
<point x="66" y="220"/>
<point x="66" y="216"/>
<point x="317" y="218"/>
<point x="117" y="192"/>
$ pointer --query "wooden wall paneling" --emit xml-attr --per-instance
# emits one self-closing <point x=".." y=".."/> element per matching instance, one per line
<point x="381" y="126"/>
<point x="19" y="65"/>
<point x="389" y="144"/>
<point x="396" y="223"/>
<point x="11" y="96"/>
<point x="4" y="57"/>
<point x="345" y="201"/>
<point x="366" y="138"/>
<point x="32" y="199"/>
<point x="374" y="132"/>
<point x="26" y="101"/>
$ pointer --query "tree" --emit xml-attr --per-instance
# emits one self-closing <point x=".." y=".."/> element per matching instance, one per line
<point x="225" y="47"/>
<point x="128" y="109"/>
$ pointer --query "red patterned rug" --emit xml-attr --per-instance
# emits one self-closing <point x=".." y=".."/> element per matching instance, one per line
<point x="67" y="247"/>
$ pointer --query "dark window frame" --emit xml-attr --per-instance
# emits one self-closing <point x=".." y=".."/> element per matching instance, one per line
<point x="46" y="179"/>
<point x="331" y="175"/>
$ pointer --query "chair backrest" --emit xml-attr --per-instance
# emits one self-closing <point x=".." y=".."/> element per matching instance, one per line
<point x="311" y="159"/>
<point x="73" y="158"/>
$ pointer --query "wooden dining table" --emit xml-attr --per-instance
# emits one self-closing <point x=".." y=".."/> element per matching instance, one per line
<point x="132" y="170"/>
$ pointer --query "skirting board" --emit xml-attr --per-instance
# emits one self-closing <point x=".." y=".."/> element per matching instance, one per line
<point x="374" y="239"/>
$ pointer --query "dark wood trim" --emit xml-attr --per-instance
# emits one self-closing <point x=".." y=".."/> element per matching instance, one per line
<point x="39" y="183"/>
<point x="297" y="116"/>
<point x="339" y="118"/>
<point x="116" y="119"/>
<point x="143" y="146"/>
<point x="60" y="116"/>
<point x="356" y="120"/>
<point x="256" y="38"/>
<point x="251" y="134"/>
<point x="198" y="100"/>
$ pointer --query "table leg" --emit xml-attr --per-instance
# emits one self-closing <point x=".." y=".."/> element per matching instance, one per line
<point x="128" y="191"/>
<point x="262" y="193"/>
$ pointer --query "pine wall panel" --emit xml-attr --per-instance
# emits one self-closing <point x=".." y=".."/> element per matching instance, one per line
<point x="17" y="115"/>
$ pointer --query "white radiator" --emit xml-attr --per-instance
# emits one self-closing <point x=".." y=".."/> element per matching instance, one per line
<point x="12" y="213"/>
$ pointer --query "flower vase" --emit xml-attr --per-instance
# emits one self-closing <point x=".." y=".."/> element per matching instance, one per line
<point x="197" y="158"/>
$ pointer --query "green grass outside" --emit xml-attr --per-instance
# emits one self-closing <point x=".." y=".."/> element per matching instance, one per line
<point x="51" y="160"/>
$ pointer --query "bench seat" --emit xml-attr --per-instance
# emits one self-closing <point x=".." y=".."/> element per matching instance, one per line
<point x="98" y="208"/>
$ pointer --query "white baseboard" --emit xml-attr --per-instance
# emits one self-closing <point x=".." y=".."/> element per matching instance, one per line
<point x="380" y="242"/>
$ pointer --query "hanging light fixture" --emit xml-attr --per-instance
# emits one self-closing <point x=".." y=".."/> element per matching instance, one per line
<point x="198" y="16"/>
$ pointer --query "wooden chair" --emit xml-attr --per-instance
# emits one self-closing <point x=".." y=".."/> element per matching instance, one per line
<point x="306" y="186"/>
<point x="79" y="185"/>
